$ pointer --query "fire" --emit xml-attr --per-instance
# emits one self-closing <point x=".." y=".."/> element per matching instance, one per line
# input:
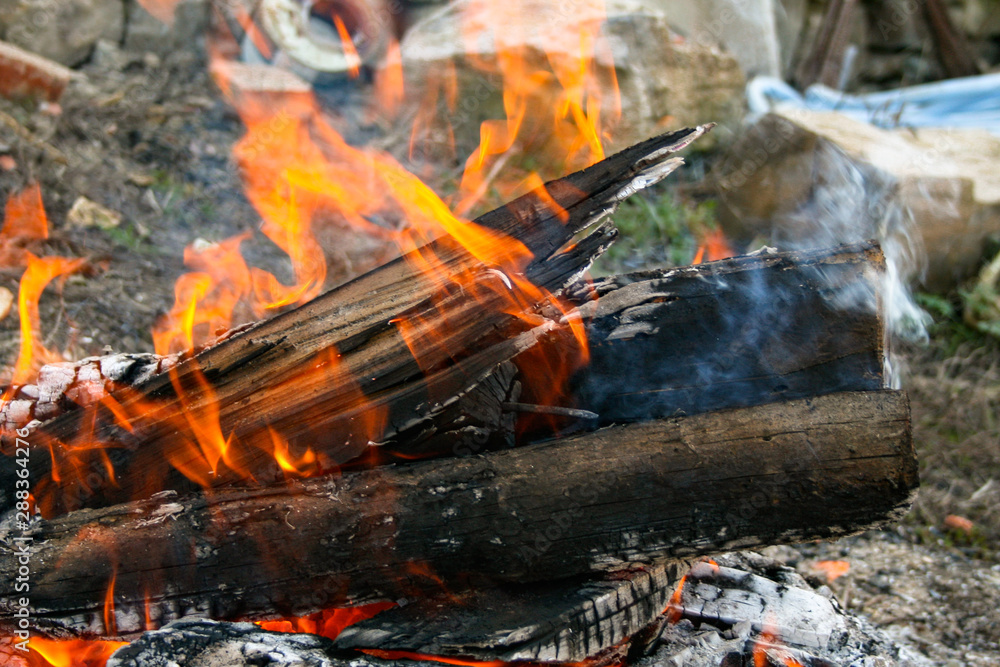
<point x="767" y="649"/>
<point x="558" y="89"/>
<point x="329" y="623"/>
<point x="713" y="246"/>
<point x="70" y="653"/>
<point x="302" y="177"/>
<point x="25" y="220"/>
<point x="350" y="52"/>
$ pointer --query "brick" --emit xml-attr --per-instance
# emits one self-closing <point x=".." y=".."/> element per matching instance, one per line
<point x="25" y="75"/>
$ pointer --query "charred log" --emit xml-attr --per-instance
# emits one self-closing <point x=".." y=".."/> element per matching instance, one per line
<point x="779" y="473"/>
<point x="315" y="374"/>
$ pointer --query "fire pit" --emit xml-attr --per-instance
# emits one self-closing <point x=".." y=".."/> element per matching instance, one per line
<point x="472" y="453"/>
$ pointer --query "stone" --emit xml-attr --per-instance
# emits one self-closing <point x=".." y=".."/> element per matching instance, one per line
<point x="25" y="75"/>
<point x="810" y="178"/>
<point x="748" y="29"/>
<point x="187" y="30"/>
<point x="62" y="30"/>
<point x="666" y="82"/>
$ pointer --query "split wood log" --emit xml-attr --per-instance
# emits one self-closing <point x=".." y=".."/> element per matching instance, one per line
<point x="772" y="474"/>
<point x="316" y="374"/>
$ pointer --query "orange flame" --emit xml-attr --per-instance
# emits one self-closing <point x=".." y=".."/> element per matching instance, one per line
<point x="24" y="215"/>
<point x="768" y="647"/>
<point x="70" y="653"/>
<point x="303" y="178"/>
<point x="110" y="624"/>
<point x="713" y="247"/>
<point x="553" y="100"/>
<point x="390" y="88"/>
<point x="350" y="52"/>
<point x="38" y="275"/>
<point x="329" y="623"/>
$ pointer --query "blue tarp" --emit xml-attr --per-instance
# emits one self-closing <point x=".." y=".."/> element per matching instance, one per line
<point x="970" y="102"/>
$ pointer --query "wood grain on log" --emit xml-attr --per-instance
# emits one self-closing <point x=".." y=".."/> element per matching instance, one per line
<point x="779" y="473"/>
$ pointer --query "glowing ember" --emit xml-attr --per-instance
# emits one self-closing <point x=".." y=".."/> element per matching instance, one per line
<point x="329" y="623"/>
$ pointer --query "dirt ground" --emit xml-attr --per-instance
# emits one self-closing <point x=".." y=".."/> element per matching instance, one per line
<point x="150" y="138"/>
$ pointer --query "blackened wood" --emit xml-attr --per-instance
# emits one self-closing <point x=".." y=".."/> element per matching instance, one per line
<point x="264" y="377"/>
<point x="567" y="621"/>
<point x="736" y="332"/>
<point x="779" y="473"/>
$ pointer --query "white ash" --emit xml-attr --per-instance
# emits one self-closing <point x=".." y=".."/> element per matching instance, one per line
<point x="204" y="643"/>
<point x="750" y="602"/>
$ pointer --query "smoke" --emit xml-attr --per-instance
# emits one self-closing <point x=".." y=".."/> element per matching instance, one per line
<point x="821" y="198"/>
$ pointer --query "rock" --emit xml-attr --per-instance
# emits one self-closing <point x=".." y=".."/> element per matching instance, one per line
<point x="146" y="32"/>
<point x="62" y="30"/>
<point x="749" y="29"/>
<point x="809" y="178"/>
<point x="25" y="75"/>
<point x="666" y="82"/>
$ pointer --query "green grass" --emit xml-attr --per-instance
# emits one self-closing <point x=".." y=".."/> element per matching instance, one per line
<point x="657" y="230"/>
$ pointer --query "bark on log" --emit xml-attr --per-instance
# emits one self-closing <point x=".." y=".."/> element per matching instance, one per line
<point x="779" y="473"/>
<point x="316" y="373"/>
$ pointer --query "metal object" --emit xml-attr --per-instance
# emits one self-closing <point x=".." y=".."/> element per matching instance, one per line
<point x="307" y="36"/>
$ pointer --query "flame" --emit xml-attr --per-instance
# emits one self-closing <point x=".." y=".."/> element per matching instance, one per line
<point x="70" y="653"/>
<point x="553" y="100"/>
<point x="329" y="623"/>
<point x="350" y="52"/>
<point x="38" y="275"/>
<point x="390" y="87"/>
<point x="110" y="624"/>
<point x="24" y="217"/>
<point x="768" y="647"/>
<point x="674" y="609"/>
<point x="304" y="179"/>
<point x="713" y="247"/>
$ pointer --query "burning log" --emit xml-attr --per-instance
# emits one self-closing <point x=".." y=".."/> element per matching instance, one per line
<point x="316" y="374"/>
<point x="795" y="470"/>
<point x="737" y="332"/>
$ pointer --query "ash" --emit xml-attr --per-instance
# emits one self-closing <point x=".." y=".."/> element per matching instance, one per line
<point x="205" y="643"/>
